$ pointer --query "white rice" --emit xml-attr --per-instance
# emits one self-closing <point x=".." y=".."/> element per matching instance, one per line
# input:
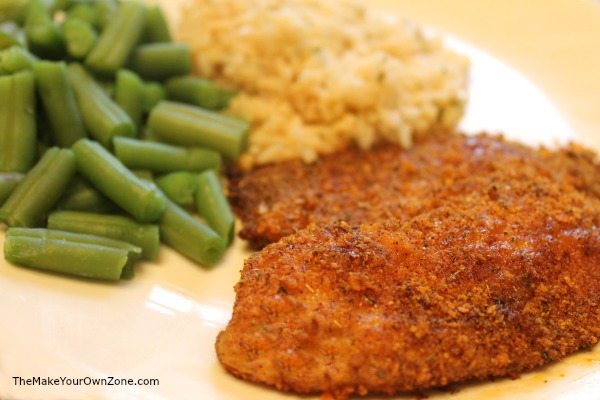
<point x="315" y="75"/>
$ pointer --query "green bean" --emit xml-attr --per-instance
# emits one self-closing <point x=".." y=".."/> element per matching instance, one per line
<point x="59" y="102"/>
<point x="140" y="199"/>
<point x="189" y="236"/>
<point x="154" y="93"/>
<point x="128" y="271"/>
<point x="107" y="86"/>
<point x="82" y="11"/>
<point x="213" y="206"/>
<point x="81" y="259"/>
<point x="13" y="10"/>
<point x="143" y="174"/>
<point x="156" y="28"/>
<point x="117" y="39"/>
<point x="105" y="12"/>
<point x="163" y="158"/>
<point x="160" y="61"/>
<point x="40" y="189"/>
<point x="119" y="227"/>
<point x="212" y="116"/>
<point x="44" y="132"/>
<point x="66" y="5"/>
<point x="102" y="117"/>
<point x="80" y="195"/>
<point x="42" y="146"/>
<point x="8" y="181"/>
<point x="11" y="34"/>
<point x="129" y="94"/>
<point x="80" y="38"/>
<point x="180" y="187"/>
<point x="149" y="136"/>
<point x="14" y="59"/>
<point x="197" y="91"/>
<point x="187" y="125"/>
<point x="17" y="122"/>
<point x="62" y="5"/>
<point x="44" y="38"/>
<point x="133" y="252"/>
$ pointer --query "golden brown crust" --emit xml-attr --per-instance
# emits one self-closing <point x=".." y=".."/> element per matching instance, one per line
<point x="356" y="186"/>
<point x="463" y="258"/>
<point x="498" y="274"/>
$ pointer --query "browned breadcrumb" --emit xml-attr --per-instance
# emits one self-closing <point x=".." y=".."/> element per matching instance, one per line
<point x="463" y="258"/>
<point x="356" y="186"/>
<point x="502" y="276"/>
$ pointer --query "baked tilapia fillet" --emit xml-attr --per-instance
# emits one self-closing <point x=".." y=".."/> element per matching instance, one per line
<point x="499" y="276"/>
<point x="360" y="186"/>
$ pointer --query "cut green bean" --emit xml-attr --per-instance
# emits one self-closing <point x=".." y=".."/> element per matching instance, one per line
<point x="128" y="271"/>
<point x="81" y="259"/>
<point x="63" y="5"/>
<point x="17" y="122"/>
<point x="59" y="102"/>
<point x="105" y="12"/>
<point x="154" y="93"/>
<point x="102" y="117"/>
<point x="148" y="136"/>
<point x="163" y="158"/>
<point x="80" y="38"/>
<point x="66" y="5"/>
<point x="107" y="86"/>
<point x="117" y="39"/>
<point x="119" y="227"/>
<point x="143" y="174"/>
<point x="42" y="146"/>
<point x="7" y="41"/>
<point x="189" y="236"/>
<point x="40" y="189"/>
<point x="213" y="206"/>
<point x="133" y="252"/>
<point x="156" y="29"/>
<point x="160" y="61"/>
<point x="8" y="181"/>
<point x="84" y="12"/>
<point x="13" y="10"/>
<point x="16" y="58"/>
<point x="184" y="124"/>
<point x="129" y="94"/>
<point x="216" y="117"/>
<point x="180" y="187"/>
<point x="44" y="131"/>
<point x="139" y="198"/>
<point x="199" y="92"/>
<point x="80" y="195"/>
<point x="11" y="34"/>
<point x="44" y="38"/>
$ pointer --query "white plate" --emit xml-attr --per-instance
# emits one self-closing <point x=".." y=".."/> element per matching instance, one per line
<point x="162" y="324"/>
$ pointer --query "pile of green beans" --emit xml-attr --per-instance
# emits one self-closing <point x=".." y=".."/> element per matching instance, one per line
<point x="109" y="145"/>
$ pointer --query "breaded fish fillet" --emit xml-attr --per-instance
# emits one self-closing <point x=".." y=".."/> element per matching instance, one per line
<point x="503" y="275"/>
<point x="357" y="186"/>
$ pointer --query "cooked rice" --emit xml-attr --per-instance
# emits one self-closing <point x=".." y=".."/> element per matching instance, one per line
<point x="314" y="75"/>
